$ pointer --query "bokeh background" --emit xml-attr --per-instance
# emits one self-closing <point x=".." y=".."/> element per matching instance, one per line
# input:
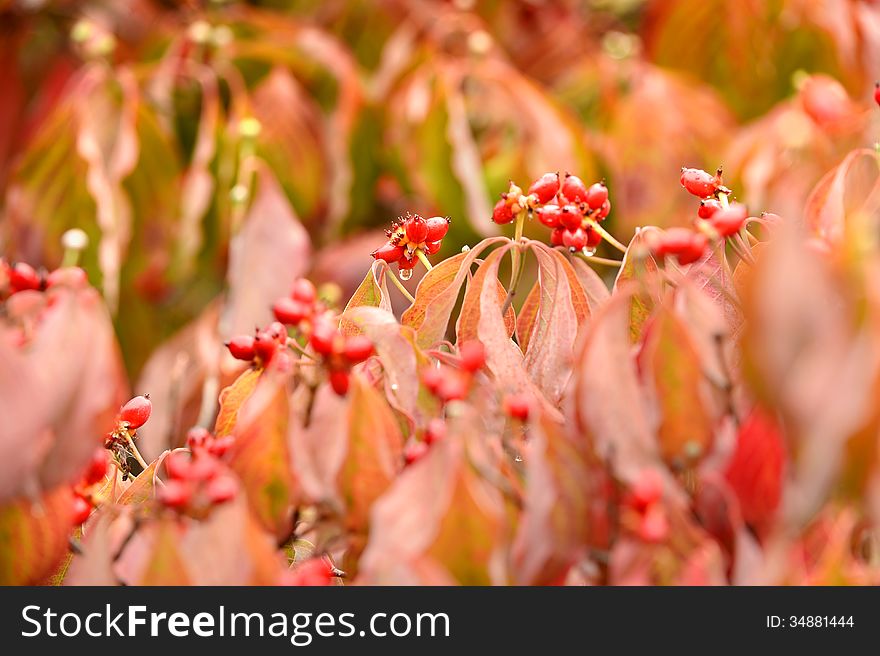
<point x="134" y="120"/>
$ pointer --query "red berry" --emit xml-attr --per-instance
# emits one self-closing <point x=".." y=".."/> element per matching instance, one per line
<point x="81" y="510"/>
<point x="473" y="356"/>
<point x="23" y="276"/>
<point x="202" y="467"/>
<point x="597" y="194"/>
<point x="694" y="251"/>
<point x="502" y="213"/>
<point x="431" y="247"/>
<point x="549" y="215"/>
<point x="97" y="467"/>
<point x="241" y="347"/>
<point x="453" y="387"/>
<point x="136" y="411"/>
<point x="570" y="217"/>
<point x="708" y="208"/>
<point x="545" y="187"/>
<point x="557" y="237"/>
<point x="304" y="291"/>
<point x="593" y="237"/>
<point x="688" y="246"/>
<point x="432" y="378"/>
<point x="340" y="381"/>
<point x="574" y="189"/>
<point x="604" y="210"/>
<point x="877" y="92"/>
<point x="314" y="572"/>
<point x="648" y="490"/>
<point x="654" y="526"/>
<point x="575" y="240"/>
<point x="265" y="346"/>
<point x="414" y="451"/>
<point x="729" y="220"/>
<point x="388" y="252"/>
<point x="222" y="488"/>
<point x="198" y="437"/>
<point x="435" y="431"/>
<point x="175" y="494"/>
<point x="357" y="349"/>
<point x="416" y="229"/>
<point x="516" y="406"/>
<point x="220" y="446"/>
<point x="178" y="464"/>
<point x="699" y="182"/>
<point x="323" y="337"/>
<point x="73" y="277"/>
<point x="438" y="226"/>
<point x="290" y="311"/>
<point x="406" y="263"/>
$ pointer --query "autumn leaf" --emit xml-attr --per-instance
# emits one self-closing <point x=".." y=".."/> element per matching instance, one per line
<point x="232" y="399"/>
<point x="372" y="292"/>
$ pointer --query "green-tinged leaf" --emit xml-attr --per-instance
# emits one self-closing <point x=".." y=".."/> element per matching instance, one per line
<point x="670" y="361"/>
<point x="372" y="292"/>
<point x="634" y="278"/>
<point x="165" y="565"/>
<point x="231" y="400"/>
<point x="33" y="537"/>
<point x="261" y="459"/>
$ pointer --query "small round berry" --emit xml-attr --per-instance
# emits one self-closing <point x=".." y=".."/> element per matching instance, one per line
<point x="23" y="277"/>
<point x="699" y="182"/>
<point x="435" y="431"/>
<point x="596" y="195"/>
<point x="574" y="189"/>
<point x="432" y="247"/>
<point x="414" y="451"/>
<point x="502" y="213"/>
<point x="557" y="237"/>
<point x="654" y="526"/>
<point x="357" y="349"/>
<point x="340" y="382"/>
<point x="202" y="467"/>
<point x="877" y="92"/>
<point x="432" y="379"/>
<point x="290" y="311"/>
<point x="220" y="446"/>
<point x="593" y="237"/>
<point x="175" y="494"/>
<point x="81" y="510"/>
<point x="96" y="470"/>
<point x="265" y="347"/>
<point x="647" y="490"/>
<point x="416" y="229"/>
<point x="729" y="220"/>
<point x="545" y="187"/>
<point x="575" y="239"/>
<point x="178" y="465"/>
<point x="304" y="291"/>
<point x="549" y="215"/>
<point x="438" y="226"/>
<point x="473" y="356"/>
<point x="73" y="277"/>
<point x="389" y="252"/>
<point x="222" y="489"/>
<point x="453" y="387"/>
<point x="137" y="411"/>
<point x="694" y="251"/>
<point x="516" y="406"/>
<point x="241" y="347"/>
<point x="198" y="437"/>
<point x="277" y="331"/>
<point x="406" y="263"/>
<point x="708" y="207"/>
<point x="604" y="210"/>
<point x="315" y="572"/>
<point x="570" y="217"/>
<point x="323" y="337"/>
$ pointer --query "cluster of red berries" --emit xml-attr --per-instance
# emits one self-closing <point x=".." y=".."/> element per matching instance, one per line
<point x="201" y="439"/>
<point x="567" y="206"/>
<point x="409" y="235"/>
<point x="717" y="219"/>
<point x="416" y="449"/>
<point x="196" y="483"/>
<point x="449" y="383"/>
<point x="21" y="276"/>
<point x="318" y="327"/>
<point x="645" y="502"/>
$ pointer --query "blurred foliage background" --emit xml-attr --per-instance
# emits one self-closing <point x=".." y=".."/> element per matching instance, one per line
<point x="163" y="128"/>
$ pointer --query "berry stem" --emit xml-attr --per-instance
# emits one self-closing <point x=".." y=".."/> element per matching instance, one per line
<point x="399" y="285"/>
<point x="424" y="259"/>
<point x="516" y="268"/>
<point x="292" y="343"/>
<point x="134" y="451"/>
<point x="722" y="198"/>
<point x="599" y="260"/>
<point x="607" y="236"/>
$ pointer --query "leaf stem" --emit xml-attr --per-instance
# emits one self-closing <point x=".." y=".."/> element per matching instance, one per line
<point x="424" y="259"/>
<point x="134" y="451"/>
<point x="399" y="285"/>
<point x="607" y="236"/>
